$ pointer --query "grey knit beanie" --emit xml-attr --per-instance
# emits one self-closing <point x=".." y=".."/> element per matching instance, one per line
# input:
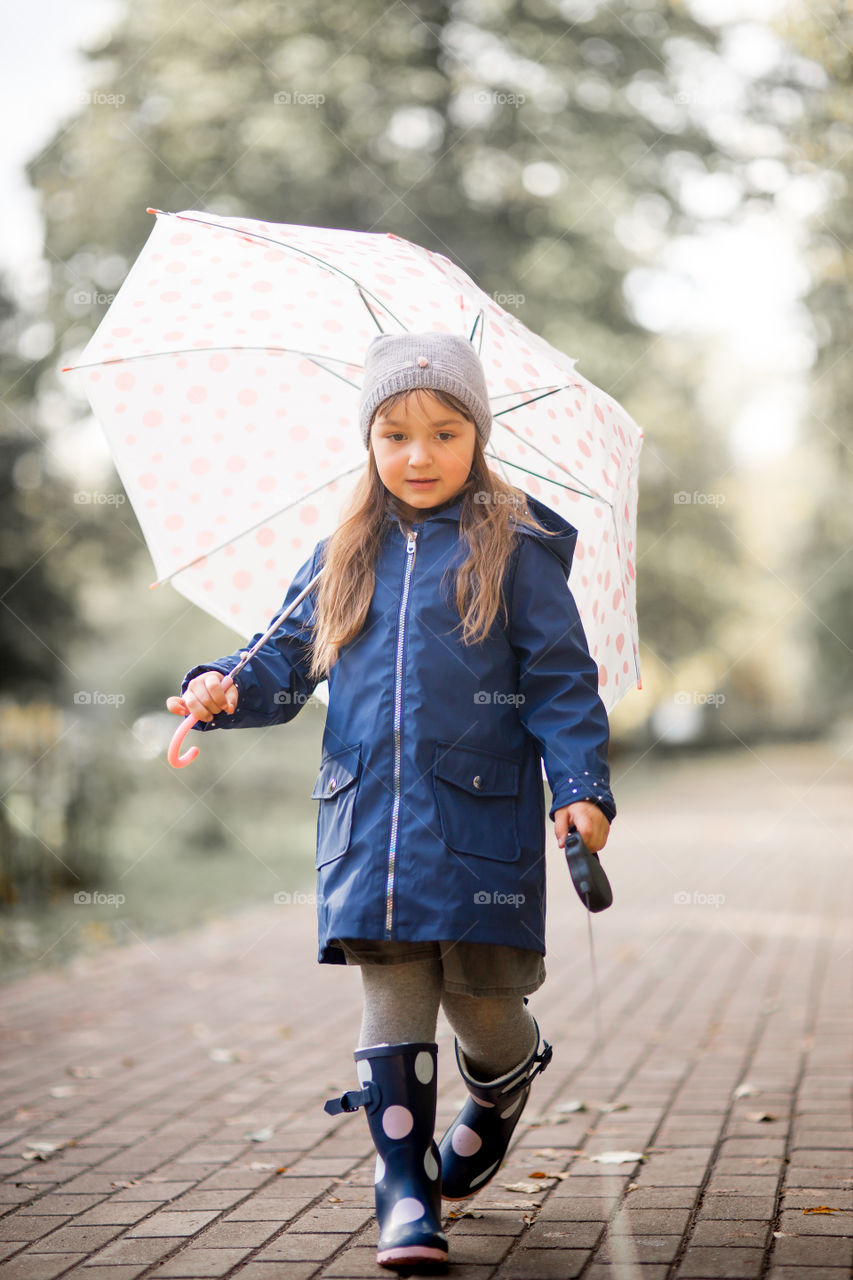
<point x="434" y="361"/>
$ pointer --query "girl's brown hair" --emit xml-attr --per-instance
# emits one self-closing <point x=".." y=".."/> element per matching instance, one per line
<point x="346" y="586"/>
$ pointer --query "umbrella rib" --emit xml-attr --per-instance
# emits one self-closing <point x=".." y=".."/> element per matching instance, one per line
<point x="281" y="244"/>
<point x="201" y="351"/>
<point x="229" y="542"/>
<point x="583" y="493"/>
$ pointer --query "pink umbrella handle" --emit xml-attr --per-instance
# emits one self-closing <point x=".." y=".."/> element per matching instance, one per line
<point x="181" y="761"/>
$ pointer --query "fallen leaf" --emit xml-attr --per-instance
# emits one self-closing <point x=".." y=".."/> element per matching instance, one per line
<point x="258" y="1165"/>
<point x="551" y="1153"/>
<point x="617" y="1157"/>
<point x="465" y="1213"/>
<point x="570" y="1107"/>
<point x="333" y="1199"/>
<point x="63" y="1091"/>
<point x="780" y="1235"/>
<point x="227" y="1055"/>
<point x="822" y="1208"/>
<point x="528" y="1219"/>
<point x="760" y="1117"/>
<point x="632" y="1186"/>
<point x="745" y="1090"/>
<point x="540" y="1173"/>
<point x="132" y="1182"/>
<point x="43" y="1150"/>
<point x="516" y="1204"/>
<point x="84" y="1073"/>
<point x="612" y="1106"/>
<point x="527" y="1187"/>
<point x="260" y="1135"/>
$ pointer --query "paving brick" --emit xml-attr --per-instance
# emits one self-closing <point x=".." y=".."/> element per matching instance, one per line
<point x="813" y="1251"/>
<point x="44" y="1266"/>
<point x="78" y="1239"/>
<point x="197" y="1262"/>
<point x="543" y="1264"/>
<point x="727" y="1263"/>
<point x="737" y="1208"/>
<point x="173" y="1223"/>
<point x="639" y="1248"/>
<point x="290" y="1247"/>
<point x="719" y="1231"/>
<point x="648" y="1222"/>
<point x="797" y="1223"/>
<point x="18" y="1227"/>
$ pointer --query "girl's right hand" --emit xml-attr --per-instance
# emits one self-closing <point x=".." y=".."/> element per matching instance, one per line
<point x="204" y="697"/>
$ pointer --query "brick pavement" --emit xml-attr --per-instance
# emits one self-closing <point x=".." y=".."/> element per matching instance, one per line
<point x="723" y="1064"/>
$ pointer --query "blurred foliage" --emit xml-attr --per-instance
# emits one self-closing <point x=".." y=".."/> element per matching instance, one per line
<point x="821" y="139"/>
<point x="541" y="145"/>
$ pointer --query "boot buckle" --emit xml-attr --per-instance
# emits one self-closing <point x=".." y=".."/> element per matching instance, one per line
<point x="352" y="1099"/>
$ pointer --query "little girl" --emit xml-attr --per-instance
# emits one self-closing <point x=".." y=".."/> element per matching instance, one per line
<point x="457" y="663"/>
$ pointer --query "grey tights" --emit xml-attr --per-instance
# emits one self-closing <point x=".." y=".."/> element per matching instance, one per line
<point x="401" y="1002"/>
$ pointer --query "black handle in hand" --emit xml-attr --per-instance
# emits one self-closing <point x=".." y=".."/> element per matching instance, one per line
<point x="587" y="874"/>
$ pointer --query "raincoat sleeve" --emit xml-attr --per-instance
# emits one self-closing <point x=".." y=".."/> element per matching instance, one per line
<point x="274" y="685"/>
<point x="558" y="681"/>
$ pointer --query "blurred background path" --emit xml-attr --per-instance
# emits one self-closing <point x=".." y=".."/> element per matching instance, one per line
<point x="162" y="1102"/>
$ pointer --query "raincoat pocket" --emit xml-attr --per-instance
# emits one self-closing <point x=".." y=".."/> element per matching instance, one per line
<point x="477" y="797"/>
<point x="335" y="788"/>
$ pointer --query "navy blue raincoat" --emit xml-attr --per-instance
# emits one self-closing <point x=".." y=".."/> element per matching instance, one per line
<point x="431" y="812"/>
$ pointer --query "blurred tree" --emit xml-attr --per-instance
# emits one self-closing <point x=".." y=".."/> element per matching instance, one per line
<point x="821" y="141"/>
<point x="511" y="135"/>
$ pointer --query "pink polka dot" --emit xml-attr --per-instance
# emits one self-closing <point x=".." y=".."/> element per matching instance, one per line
<point x="465" y="1142"/>
<point x="148" y="482"/>
<point x="265" y="537"/>
<point x="180" y="237"/>
<point x="125" y="382"/>
<point x="397" y="1121"/>
<point x="200" y="466"/>
<point x="223" y="295"/>
<point x="266" y="484"/>
<point x="247" y="396"/>
<point x="309" y="515"/>
<point x="236" y="463"/>
<point x="197" y="395"/>
<point x="218" y="363"/>
<point x="242" y="579"/>
<point x="174" y="522"/>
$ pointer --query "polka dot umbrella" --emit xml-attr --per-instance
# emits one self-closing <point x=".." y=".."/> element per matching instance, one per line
<point x="226" y="373"/>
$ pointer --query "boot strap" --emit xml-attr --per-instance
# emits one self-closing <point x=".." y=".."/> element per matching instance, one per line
<point x="352" y="1099"/>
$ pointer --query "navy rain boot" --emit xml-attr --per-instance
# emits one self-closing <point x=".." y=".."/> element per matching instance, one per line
<point x="474" y="1146"/>
<point x="398" y="1093"/>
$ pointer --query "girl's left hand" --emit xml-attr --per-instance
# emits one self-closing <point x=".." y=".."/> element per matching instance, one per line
<point x="589" y="820"/>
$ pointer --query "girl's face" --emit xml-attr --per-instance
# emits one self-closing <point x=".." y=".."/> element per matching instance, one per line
<point x="423" y="450"/>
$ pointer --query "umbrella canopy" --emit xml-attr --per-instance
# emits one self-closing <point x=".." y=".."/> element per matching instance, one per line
<point x="226" y="375"/>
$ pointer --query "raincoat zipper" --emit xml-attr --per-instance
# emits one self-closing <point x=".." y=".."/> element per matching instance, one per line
<point x="398" y="709"/>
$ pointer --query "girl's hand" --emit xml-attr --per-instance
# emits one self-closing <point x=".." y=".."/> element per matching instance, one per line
<point x="589" y="820"/>
<point x="204" y="697"/>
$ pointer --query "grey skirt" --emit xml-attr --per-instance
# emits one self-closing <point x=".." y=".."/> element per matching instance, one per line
<point x="469" y="968"/>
